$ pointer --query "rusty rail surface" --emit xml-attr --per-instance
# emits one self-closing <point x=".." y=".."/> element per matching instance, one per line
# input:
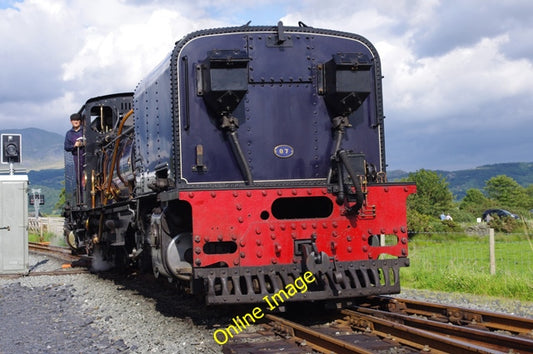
<point x="74" y="264"/>
<point x="314" y="339"/>
<point x="445" y="337"/>
<point x="63" y="253"/>
<point x="457" y="315"/>
<point x="385" y="324"/>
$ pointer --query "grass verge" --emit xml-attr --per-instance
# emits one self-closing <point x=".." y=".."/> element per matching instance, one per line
<point x="461" y="263"/>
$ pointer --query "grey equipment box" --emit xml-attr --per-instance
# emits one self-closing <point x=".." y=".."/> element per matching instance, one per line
<point x="13" y="224"/>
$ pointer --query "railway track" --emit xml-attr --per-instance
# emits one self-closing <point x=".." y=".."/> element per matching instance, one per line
<point x="72" y="264"/>
<point x="62" y="253"/>
<point x="385" y="324"/>
<point x="456" y="315"/>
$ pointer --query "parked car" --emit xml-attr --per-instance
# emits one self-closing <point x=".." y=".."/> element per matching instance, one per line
<point x="501" y="213"/>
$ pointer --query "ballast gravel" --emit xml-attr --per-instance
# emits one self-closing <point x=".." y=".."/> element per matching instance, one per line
<point x="92" y="313"/>
<point x="87" y="313"/>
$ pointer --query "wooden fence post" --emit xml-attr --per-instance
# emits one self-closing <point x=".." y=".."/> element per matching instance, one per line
<point x="41" y="227"/>
<point x="492" y="253"/>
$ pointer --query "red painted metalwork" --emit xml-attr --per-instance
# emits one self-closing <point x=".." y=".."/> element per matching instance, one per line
<point x="244" y="217"/>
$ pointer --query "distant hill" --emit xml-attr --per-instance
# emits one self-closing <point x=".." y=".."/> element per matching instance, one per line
<point x="40" y="149"/>
<point x="462" y="180"/>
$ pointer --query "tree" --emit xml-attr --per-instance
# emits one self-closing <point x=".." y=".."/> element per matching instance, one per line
<point x="475" y="202"/>
<point x="433" y="196"/>
<point x="506" y="192"/>
<point x="61" y="202"/>
<point x="529" y="193"/>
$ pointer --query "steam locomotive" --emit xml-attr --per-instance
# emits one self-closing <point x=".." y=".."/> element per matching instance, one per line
<point x="248" y="157"/>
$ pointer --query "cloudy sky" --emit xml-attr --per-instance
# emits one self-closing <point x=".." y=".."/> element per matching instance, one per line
<point x="458" y="83"/>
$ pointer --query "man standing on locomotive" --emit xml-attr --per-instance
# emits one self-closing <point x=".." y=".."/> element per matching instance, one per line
<point x="75" y="143"/>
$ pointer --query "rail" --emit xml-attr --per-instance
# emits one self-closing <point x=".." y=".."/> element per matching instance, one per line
<point x="437" y="335"/>
<point x="456" y="315"/>
<point x="74" y="264"/>
<point x="385" y="324"/>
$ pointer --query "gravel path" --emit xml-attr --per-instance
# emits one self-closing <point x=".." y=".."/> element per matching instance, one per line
<point x="96" y="314"/>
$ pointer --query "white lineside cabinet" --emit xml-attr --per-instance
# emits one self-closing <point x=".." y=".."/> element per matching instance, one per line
<point x="13" y="224"/>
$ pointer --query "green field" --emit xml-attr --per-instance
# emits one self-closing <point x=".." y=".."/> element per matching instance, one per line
<point x="460" y="263"/>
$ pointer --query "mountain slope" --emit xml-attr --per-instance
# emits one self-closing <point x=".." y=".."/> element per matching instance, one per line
<point x="462" y="180"/>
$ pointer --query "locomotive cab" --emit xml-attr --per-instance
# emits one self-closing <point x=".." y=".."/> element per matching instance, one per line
<point x="103" y="173"/>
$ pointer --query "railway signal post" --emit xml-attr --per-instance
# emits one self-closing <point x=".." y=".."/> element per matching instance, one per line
<point x="13" y="209"/>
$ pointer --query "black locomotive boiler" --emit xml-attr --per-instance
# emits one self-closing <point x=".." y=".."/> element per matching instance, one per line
<point x="249" y="157"/>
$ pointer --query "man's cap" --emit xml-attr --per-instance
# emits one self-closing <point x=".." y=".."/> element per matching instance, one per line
<point x="75" y="116"/>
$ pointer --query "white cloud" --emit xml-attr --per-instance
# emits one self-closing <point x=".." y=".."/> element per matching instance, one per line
<point x="73" y="48"/>
<point x="459" y="82"/>
<point x="453" y="64"/>
<point x="30" y="51"/>
<point x="129" y="50"/>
